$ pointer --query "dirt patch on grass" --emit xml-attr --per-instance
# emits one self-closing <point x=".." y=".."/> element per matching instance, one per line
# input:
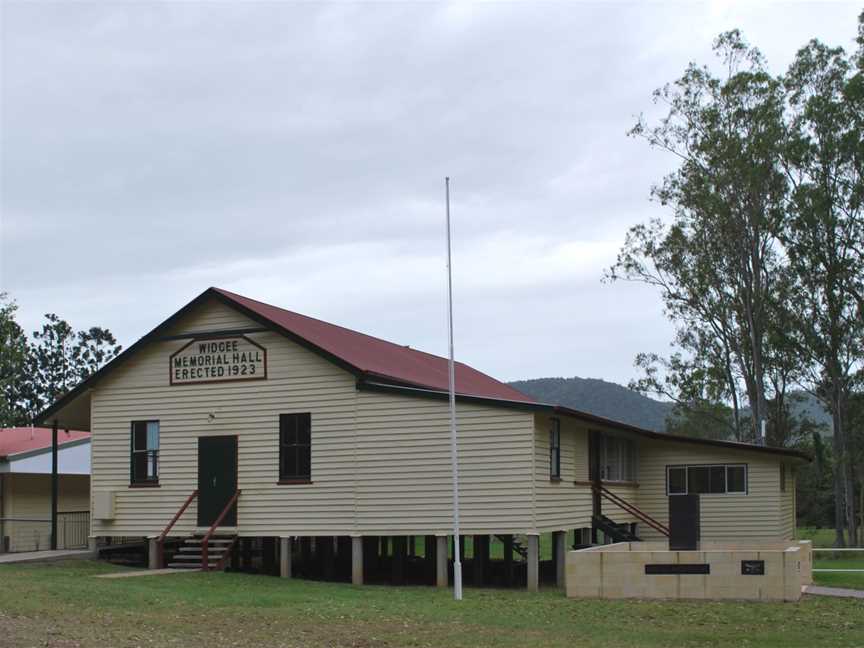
<point x="19" y="631"/>
<point x="142" y="630"/>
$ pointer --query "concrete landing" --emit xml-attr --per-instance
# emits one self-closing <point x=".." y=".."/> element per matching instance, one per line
<point x="147" y="572"/>
<point x="818" y="590"/>
<point x="44" y="556"/>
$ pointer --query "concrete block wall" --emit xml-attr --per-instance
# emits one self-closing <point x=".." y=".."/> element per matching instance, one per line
<point x="618" y="571"/>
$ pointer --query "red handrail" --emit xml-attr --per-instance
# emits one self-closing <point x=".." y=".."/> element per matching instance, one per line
<point x="161" y="539"/>
<point x="205" y="563"/>
<point x="635" y="512"/>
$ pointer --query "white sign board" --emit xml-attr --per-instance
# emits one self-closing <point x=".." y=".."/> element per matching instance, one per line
<point x="218" y="360"/>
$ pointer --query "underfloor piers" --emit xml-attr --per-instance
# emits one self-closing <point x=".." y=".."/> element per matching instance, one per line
<point x="518" y="561"/>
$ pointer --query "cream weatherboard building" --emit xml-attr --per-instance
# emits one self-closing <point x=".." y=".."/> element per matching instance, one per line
<point x="26" y="487"/>
<point x="317" y="450"/>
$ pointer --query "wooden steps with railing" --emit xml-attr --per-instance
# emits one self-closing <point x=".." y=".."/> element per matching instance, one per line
<point x="190" y="554"/>
<point x="206" y="551"/>
<point x="160" y="541"/>
<point x="629" y="508"/>
<point x="615" y="531"/>
<point x="210" y="536"/>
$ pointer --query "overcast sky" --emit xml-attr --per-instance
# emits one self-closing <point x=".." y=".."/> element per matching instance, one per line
<point x="296" y="153"/>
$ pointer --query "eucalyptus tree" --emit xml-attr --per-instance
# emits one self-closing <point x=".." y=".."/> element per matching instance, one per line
<point x="824" y="240"/>
<point x="716" y="263"/>
<point x="700" y="383"/>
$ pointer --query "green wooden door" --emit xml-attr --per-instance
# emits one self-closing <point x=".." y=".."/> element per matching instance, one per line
<point x="217" y="479"/>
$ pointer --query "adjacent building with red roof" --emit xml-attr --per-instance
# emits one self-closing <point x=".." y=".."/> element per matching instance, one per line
<point x="25" y="488"/>
<point x="18" y="441"/>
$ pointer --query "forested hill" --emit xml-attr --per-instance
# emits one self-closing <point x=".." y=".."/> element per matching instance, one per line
<point x="599" y="397"/>
<point x="614" y="401"/>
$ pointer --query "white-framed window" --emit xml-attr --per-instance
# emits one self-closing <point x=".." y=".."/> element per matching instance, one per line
<point x="618" y="460"/>
<point x="707" y="479"/>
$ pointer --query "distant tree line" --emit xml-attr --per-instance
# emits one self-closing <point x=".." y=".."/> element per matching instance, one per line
<point x="36" y="371"/>
<point x="761" y="263"/>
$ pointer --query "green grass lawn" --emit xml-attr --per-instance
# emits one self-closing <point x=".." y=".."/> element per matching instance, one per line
<point x="824" y="538"/>
<point x="61" y="605"/>
<point x="820" y="537"/>
<point x="834" y="579"/>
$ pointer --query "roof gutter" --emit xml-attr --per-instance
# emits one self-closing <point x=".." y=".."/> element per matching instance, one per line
<point x="426" y="392"/>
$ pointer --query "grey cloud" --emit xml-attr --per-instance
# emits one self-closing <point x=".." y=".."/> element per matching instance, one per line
<point x="150" y="150"/>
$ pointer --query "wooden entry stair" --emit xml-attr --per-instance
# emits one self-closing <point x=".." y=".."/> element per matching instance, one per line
<point x="620" y="532"/>
<point x="191" y="552"/>
<point x="208" y="551"/>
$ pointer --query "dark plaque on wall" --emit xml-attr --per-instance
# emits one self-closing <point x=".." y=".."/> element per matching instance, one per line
<point x="658" y="569"/>
<point x="753" y="567"/>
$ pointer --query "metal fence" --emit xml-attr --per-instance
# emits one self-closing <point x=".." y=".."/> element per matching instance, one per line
<point x="840" y="553"/>
<point x="34" y="534"/>
<point x="73" y="529"/>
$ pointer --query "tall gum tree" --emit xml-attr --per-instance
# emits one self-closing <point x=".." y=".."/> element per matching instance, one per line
<point x="716" y="263"/>
<point x="823" y="237"/>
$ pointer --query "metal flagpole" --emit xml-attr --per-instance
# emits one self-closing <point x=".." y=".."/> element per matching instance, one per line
<point x="454" y="451"/>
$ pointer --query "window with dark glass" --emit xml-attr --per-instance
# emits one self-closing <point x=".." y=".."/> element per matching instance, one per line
<point x="145" y="452"/>
<point x="706" y="480"/>
<point x="677" y="480"/>
<point x="295" y="447"/>
<point x="697" y="480"/>
<point x="736" y="479"/>
<point x="555" y="449"/>
<point x="782" y="478"/>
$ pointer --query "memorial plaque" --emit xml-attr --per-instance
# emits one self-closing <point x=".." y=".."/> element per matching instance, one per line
<point x="218" y="360"/>
<point x="752" y="567"/>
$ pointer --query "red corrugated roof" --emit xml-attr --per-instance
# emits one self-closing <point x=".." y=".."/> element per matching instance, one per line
<point x="25" y="439"/>
<point x="379" y="358"/>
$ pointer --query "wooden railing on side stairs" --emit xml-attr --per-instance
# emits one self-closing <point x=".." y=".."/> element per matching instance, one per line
<point x="160" y="541"/>
<point x="632" y="510"/>
<point x="205" y="561"/>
